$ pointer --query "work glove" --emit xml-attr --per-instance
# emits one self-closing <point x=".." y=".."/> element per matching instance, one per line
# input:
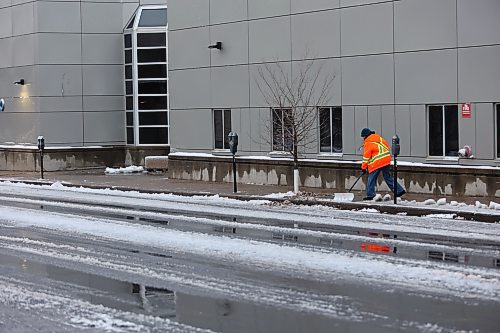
<point x="364" y="171"/>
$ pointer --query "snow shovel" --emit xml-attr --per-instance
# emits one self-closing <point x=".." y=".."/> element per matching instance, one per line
<point x="347" y="196"/>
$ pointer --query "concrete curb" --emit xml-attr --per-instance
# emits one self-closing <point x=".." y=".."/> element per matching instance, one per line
<point x="385" y="208"/>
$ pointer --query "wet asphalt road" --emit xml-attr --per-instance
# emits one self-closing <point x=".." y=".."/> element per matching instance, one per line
<point x="55" y="281"/>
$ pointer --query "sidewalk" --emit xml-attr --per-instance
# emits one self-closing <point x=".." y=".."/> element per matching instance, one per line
<point x="160" y="183"/>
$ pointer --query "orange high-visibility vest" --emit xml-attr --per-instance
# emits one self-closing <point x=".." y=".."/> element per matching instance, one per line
<point x="376" y="153"/>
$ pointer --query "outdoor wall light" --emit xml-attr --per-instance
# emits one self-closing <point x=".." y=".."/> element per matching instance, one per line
<point x="21" y="82"/>
<point x="217" y="45"/>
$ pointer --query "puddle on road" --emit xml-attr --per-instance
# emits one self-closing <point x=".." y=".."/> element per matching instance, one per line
<point x="420" y="252"/>
<point x="373" y="310"/>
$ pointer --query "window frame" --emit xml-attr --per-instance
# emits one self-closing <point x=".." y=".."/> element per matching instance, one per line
<point x="225" y="139"/>
<point x="283" y="134"/>
<point x="443" y="130"/>
<point x="134" y="30"/>
<point x="331" y="110"/>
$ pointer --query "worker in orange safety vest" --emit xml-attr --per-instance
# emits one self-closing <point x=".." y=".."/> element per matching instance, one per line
<point x="376" y="159"/>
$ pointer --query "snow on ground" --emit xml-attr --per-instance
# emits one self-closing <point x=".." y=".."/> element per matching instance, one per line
<point x="460" y="281"/>
<point x="129" y="169"/>
<point x="259" y="209"/>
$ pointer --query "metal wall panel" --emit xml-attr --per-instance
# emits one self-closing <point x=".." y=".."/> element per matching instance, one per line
<point x="388" y="120"/>
<point x="348" y="135"/>
<point x="368" y="80"/>
<point x="23" y="22"/>
<point x="424" y="24"/>
<point x="301" y="6"/>
<point x="375" y="118"/>
<point x="256" y="79"/>
<point x="59" y="104"/>
<point x="478" y="22"/>
<point x="485" y="131"/>
<point x="229" y="87"/>
<point x="101" y="17"/>
<point x="234" y="38"/>
<point x="59" y="48"/>
<point x="193" y="129"/>
<point x="19" y="127"/>
<point x="418" y="117"/>
<point x="97" y="126"/>
<point x="191" y="89"/>
<point x="103" y="103"/>
<point x="102" y="80"/>
<point x="360" y="122"/>
<point x="223" y="11"/>
<point x="324" y="70"/>
<point x="403" y="128"/>
<point x="59" y="80"/>
<point x="54" y="133"/>
<point x="5" y="22"/>
<point x="429" y="77"/>
<point x="240" y="123"/>
<point x="479" y="74"/>
<point x="54" y="16"/>
<point x="366" y="29"/>
<point x="270" y="39"/>
<point x="348" y="3"/>
<point x="102" y="49"/>
<point x="192" y="13"/>
<point x="6" y="59"/>
<point x="23" y="50"/>
<point x="266" y="8"/>
<point x="193" y="48"/>
<point x="324" y="26"/>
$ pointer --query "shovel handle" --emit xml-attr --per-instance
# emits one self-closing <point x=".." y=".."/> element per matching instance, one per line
<point x="361" y="175"/>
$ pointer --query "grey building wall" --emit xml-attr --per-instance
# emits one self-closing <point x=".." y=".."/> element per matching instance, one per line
<point x="390" y="60"/>
<point x="71" y="55"/>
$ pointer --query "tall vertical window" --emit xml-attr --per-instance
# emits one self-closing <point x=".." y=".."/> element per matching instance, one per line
<point x="282" y="130"/>
<point x="146" y="80"/>
<point x="498" y="130"/>
<point x="330" y="130"/>
<point x="222" y="127"/>
<point x="443" y="130"/>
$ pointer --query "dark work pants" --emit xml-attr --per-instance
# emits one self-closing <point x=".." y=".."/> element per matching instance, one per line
<point x="389" y="180"/>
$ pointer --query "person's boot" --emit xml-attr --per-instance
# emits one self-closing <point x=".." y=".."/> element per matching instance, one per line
<point x="368" y="198"/>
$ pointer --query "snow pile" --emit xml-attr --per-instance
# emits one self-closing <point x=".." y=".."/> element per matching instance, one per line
<point x="129" y="169"/>
<point x="441" y="202"/>
<point x="429" y="202"/>
<point x="280" y="195"/>
<point x="480" y="205"/>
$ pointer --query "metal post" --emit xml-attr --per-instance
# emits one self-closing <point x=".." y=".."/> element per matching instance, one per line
<point x="235" y="186"/>
<point x="395" y="179"/>
<point x="41" y="163"/>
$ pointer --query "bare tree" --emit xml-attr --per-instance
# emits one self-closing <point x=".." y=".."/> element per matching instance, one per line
<point x="294" y="102"/>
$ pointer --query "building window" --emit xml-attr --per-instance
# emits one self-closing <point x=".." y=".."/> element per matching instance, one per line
<point x="222" y="127"/>
<point x="330" y="130"/>
<point x="282" y="129"/>
<point x="146" y="77"/>
<point x="498" y="130"/>
<point x="443" y="130"/>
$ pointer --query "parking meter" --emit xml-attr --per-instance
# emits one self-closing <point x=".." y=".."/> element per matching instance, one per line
<point x="396" y="148"/>
<point x="233" y="142"/>
<point x="41" y="147"/>
<point x="233" y="147"/>
<point x="41" y="143"/>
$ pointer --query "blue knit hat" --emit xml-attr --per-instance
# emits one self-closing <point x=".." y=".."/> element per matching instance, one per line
<point x="365" y="132"/>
